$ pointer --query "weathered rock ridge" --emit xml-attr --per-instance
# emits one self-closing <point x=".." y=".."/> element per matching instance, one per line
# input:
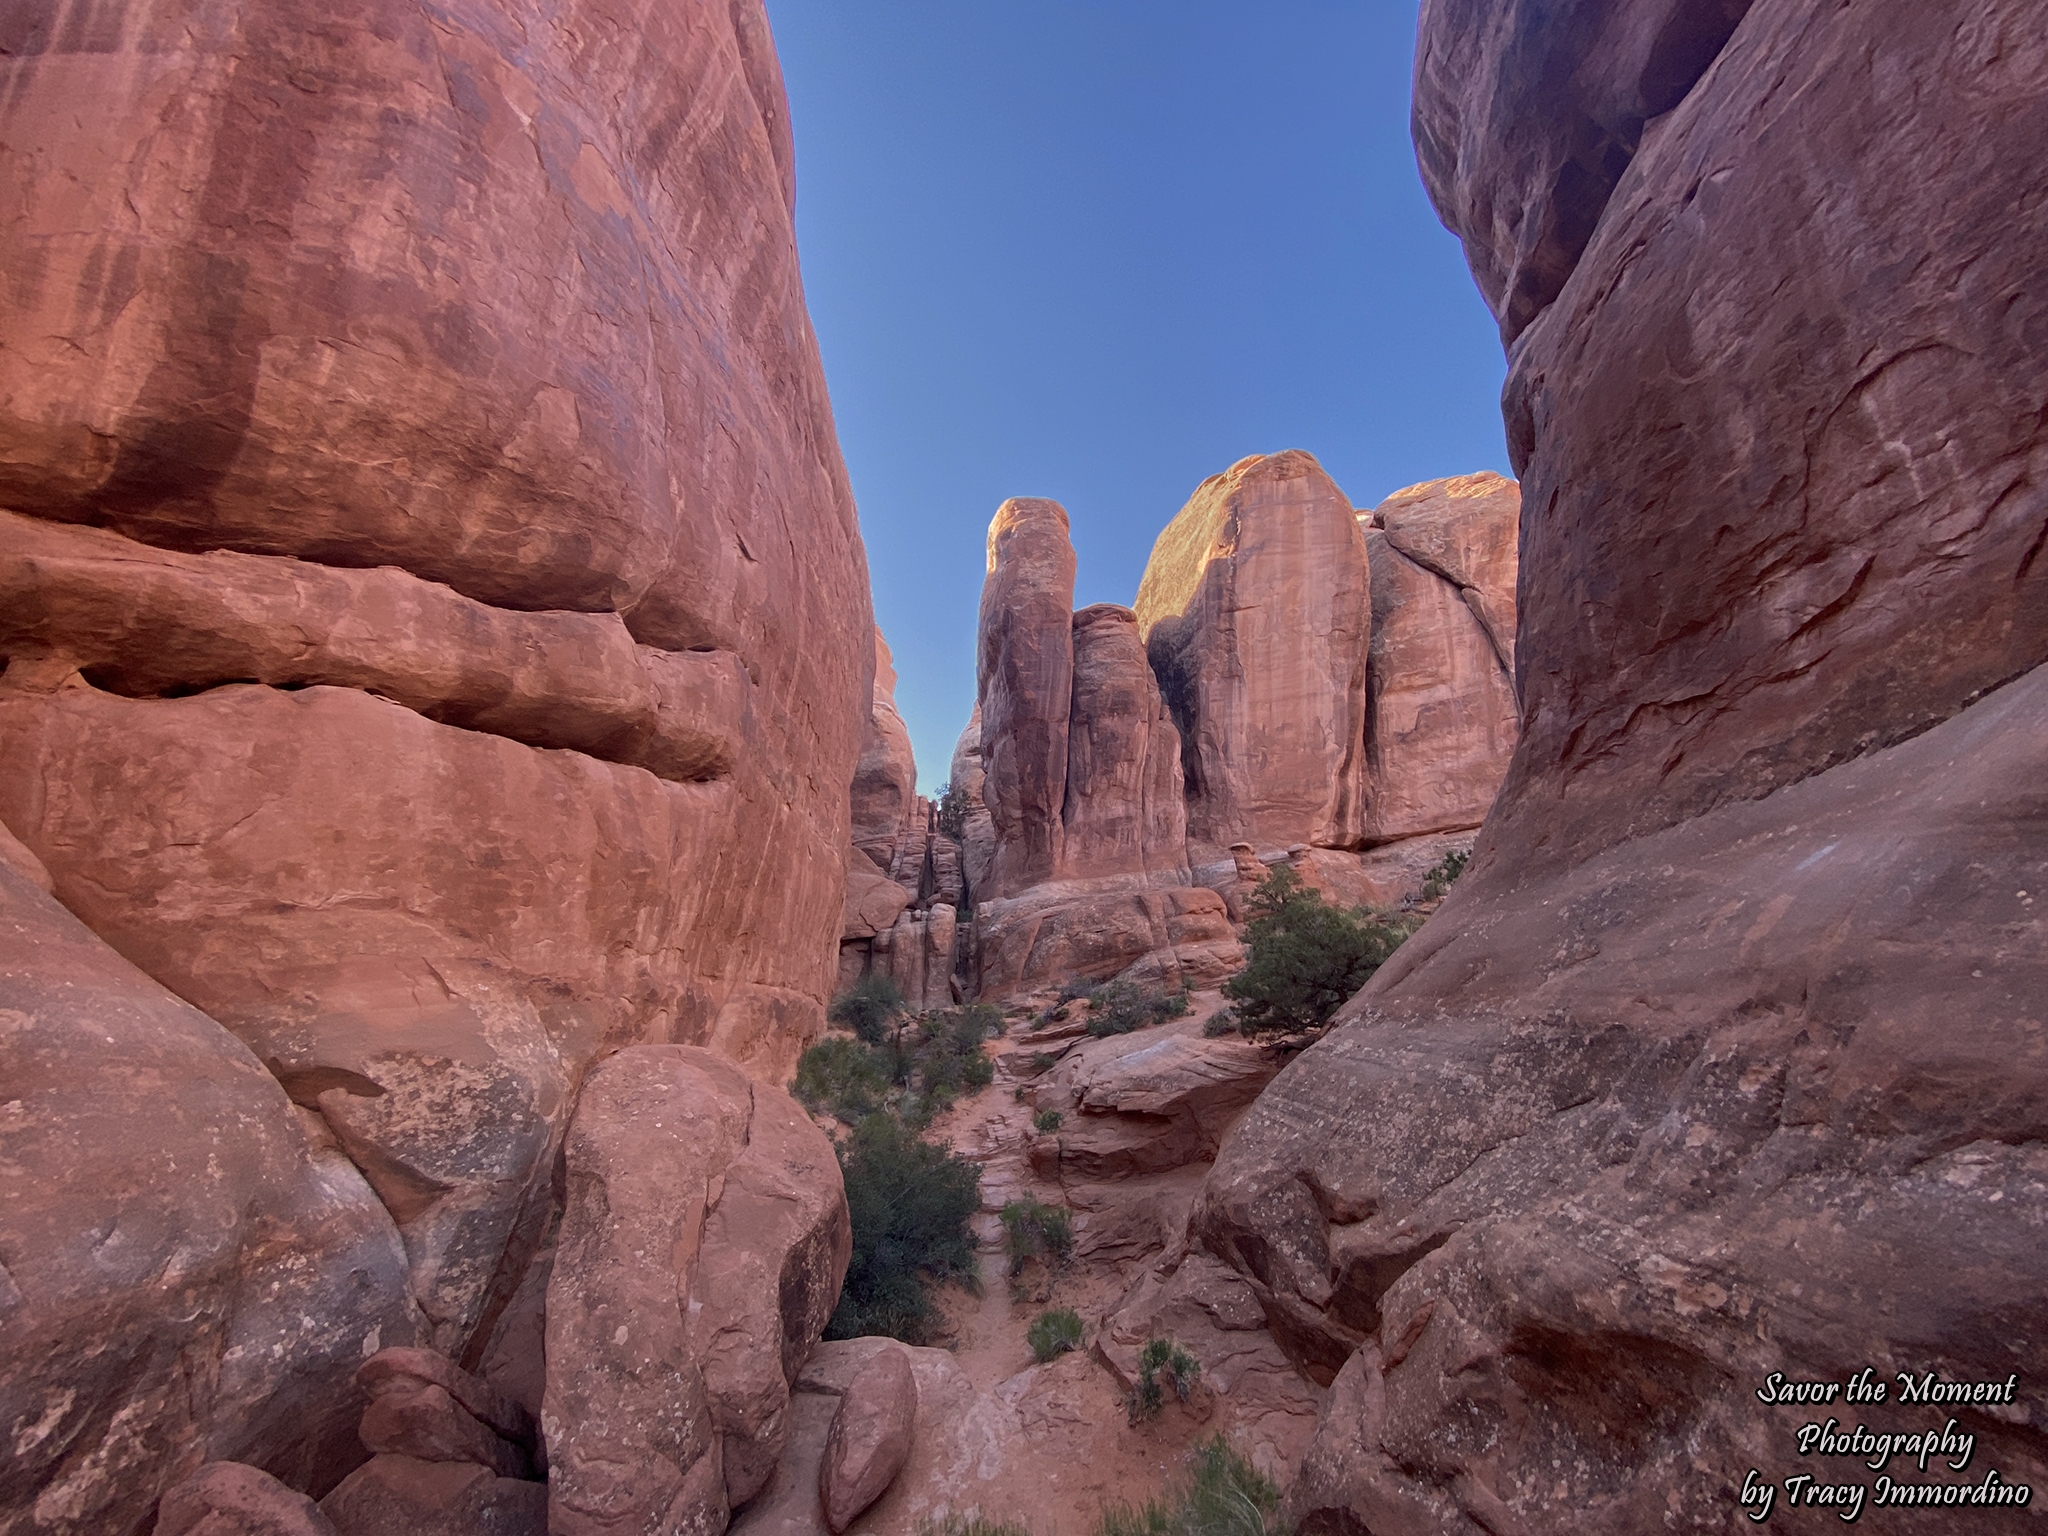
<point x="1726" y="1057"/>
<point x="437" y="650"/>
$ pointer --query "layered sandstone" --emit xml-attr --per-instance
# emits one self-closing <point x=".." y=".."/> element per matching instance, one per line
<point x="1725" y="1057"/>
<point x="437" y="647"/>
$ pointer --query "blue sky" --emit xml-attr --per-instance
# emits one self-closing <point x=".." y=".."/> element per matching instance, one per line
<point x="1098" y="250"/>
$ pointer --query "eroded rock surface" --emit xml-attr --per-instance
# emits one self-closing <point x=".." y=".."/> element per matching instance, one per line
<point x="225" y="1498"/>
<point x="1727" y="1056"/>
<point x="188" y="1278"/>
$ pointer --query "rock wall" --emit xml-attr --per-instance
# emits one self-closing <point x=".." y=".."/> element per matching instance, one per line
<point x="1724" y="1057"/>
<point x="436" y="632"/>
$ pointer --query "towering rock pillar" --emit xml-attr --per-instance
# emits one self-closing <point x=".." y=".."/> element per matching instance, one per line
<point x="1025" y="687"/>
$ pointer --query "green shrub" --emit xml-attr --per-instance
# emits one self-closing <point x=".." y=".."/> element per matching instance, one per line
<point x="1037" y="1231"/>
<point x="1123" y="1006"/>
<point x="1046" y="1121"/>
<point x="1306" y="958"/>
<point x="1444" y="873"/>
<point x="1220" y="1023"/>
<point x="910" y="1204"/>
<point x="1222" y="1495"/>
<point x="1078" y="990"/>
<point x="1162" y="1364"/>
<point x="869" y="1007"/>
<point x="1042" y="1061"/>
<point x="953" y="809"/>
<point x="1054" y="1334"/>
<point x="842" y="1078"/>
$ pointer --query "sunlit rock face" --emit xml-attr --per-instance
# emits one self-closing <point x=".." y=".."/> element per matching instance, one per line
<point x="1726" y="1057"/>
<point x="437" y="631"/>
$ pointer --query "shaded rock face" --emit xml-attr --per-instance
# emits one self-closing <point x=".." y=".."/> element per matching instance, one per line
<point x="436" y="631"/>
<point x="225" y="1498"/>
<point x="1123" y="812"/>
<point x="188" y="1277"/>
<point x="702" y="1248"/>
<point x="1255" y="612"/>
<point x="392" y="1495"/>
<point x="1725" y="1058"/>
<point x="1837" y="419"/>
<point x="978" y="835"/>
<point x="885" y="778"/>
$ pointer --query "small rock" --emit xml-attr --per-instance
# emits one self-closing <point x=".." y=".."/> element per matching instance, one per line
<point x="870" y="1438"/>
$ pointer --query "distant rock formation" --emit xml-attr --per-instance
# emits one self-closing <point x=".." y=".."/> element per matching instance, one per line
<point x="1724" y="1057"/>
<point x="1081" y="777"/>
<point x="436" y="635"/>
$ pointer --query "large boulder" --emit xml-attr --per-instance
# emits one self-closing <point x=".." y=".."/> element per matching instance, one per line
<point x="226" y="1498"/>
<point x="1724" y="1058"/>
<point x="189" y="1275"/>
<point x="870" y="1437"/>
<point x="429" y="573"/>
<point x="1255" y="611"/>
<point x="392" y="1495"/>
<point x="702" y="1248"/>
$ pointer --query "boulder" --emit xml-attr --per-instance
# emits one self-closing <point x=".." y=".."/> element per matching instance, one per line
<point x="1254" y="610"/>
<point x="1159" y="936"/>
<point x="187" y="1276"/>
<point x="701" y="1251"/>
<point x="873" y="900"/>
<point x="1441" y="725"/>
<point x="225" y="1498"/>
<point x="401" y="1496"/>
<point x="425" y="1406"/>
<point x="918" y="955"/>
<point x="870" y="1438"/>
<point x="1151" y="1100"/>
<point x="1025" y="689"/>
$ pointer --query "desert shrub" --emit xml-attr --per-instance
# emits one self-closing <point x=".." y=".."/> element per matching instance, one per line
<point x="1306" y="957"/>
<point x="953" y="810"/>
<point x="1222" y="1495"/>
<point x="910" y="1203"/>
<point x="1444" y="873"/>
<point x="1123" y="1006"/>
<point x="1054" y="1334"/>
<point x="984" y="1018"/>
<point x="977" y="1071"/>
<point x="1035" y="1231"/>
<point x="971" y="1525"/>
<point x="1078" y="990"/>
<point x="869" y="1007"/>
<point x="1043" y="1061"/>
<point x="1163" y="1364"/>
<point x="1046" y="1121"/>
<point x="1220" y="1023"/>
<point x="842" y="1078"/>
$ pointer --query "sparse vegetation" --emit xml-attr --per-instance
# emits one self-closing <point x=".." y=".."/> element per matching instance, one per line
<point x="1037" y="1231"/>
<point x="1163" y="1364"/>
<point x="870" y="1007"/>
<point x="953" y="809"/>
<point x="1053" y="1334"/>
<point x="1046" y="1121"/>
<point x="1222" y="1495"/>
<point x="976" y="1525"/>
<point x="1043" y="1061"/>
<point x="1444" y="873"/>
<point x="1078" y="990"/>
<point x="1307" y="957"/>
<point x="910" y="1203"/>
<point x="1123" y="1006"/>
<point x="916" y="1070"/>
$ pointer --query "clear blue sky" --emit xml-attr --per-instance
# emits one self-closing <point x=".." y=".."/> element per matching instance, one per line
<point x="1098" y="250"/>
